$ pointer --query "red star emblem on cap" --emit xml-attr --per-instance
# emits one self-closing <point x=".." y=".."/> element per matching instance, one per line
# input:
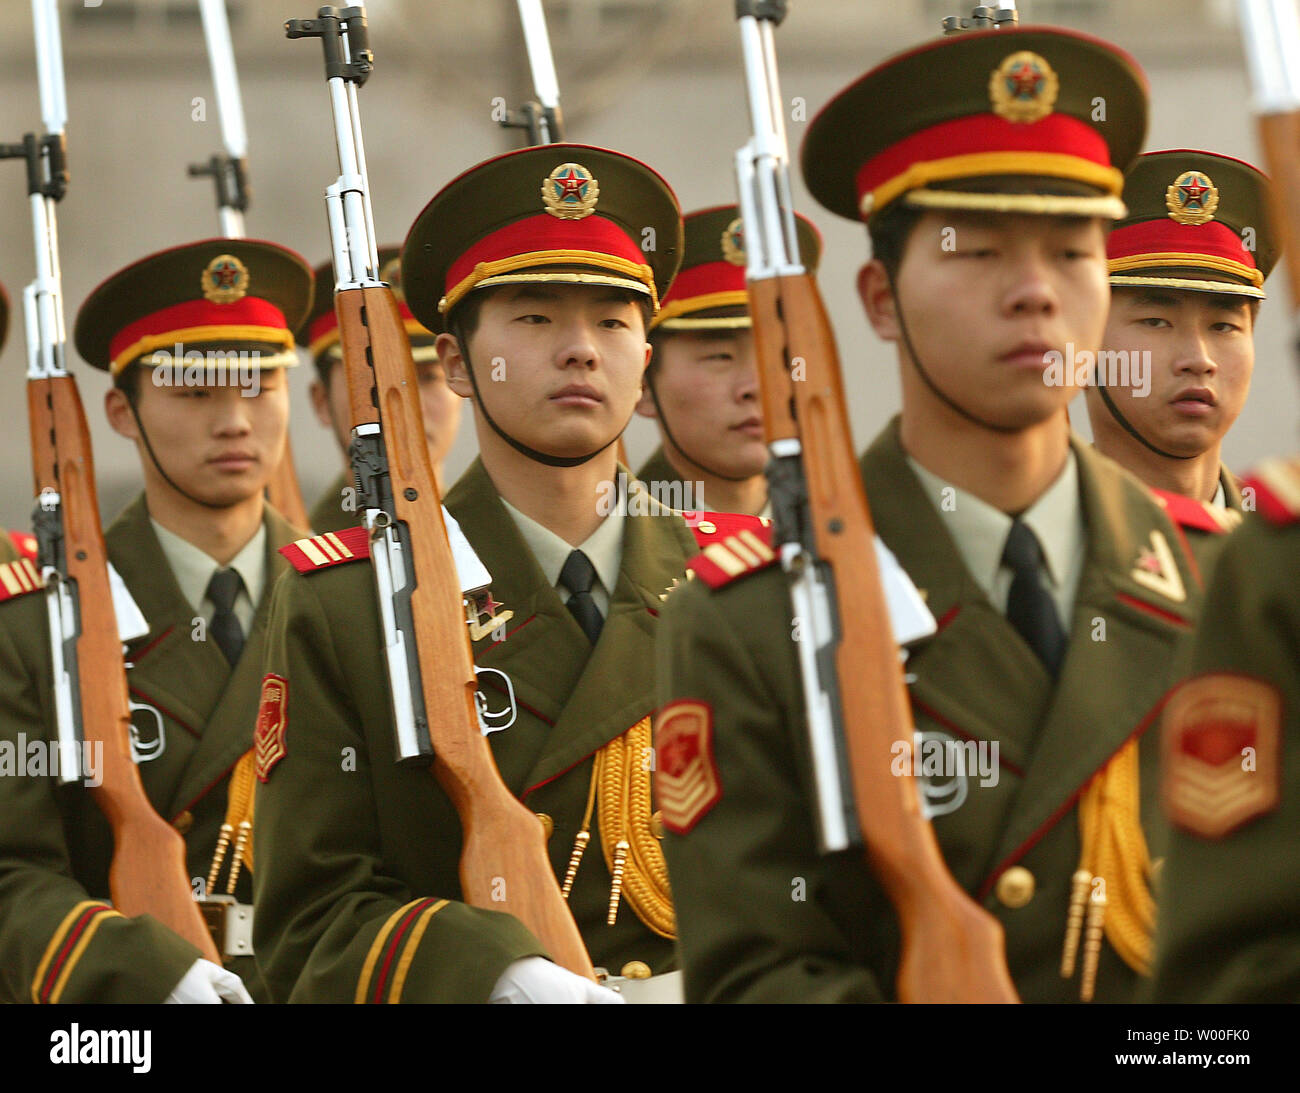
<point x="225" y="275"/>
<point x="1193" y="191"/>
<point x="1024" y="78"/>
<point x="570" y="185"/>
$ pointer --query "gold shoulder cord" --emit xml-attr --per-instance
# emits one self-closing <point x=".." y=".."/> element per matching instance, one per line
<point x="620" y="781"/>
<point x="1111" y="888"/>
<point x="239" y="824"/>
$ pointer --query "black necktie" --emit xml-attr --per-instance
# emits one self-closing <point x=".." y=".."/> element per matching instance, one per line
<point x="578" y="575"/>
<point x="1030" y="608"/>
<point x="226" y="631"/>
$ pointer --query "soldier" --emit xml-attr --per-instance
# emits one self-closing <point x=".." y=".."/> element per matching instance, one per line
<point x="702" y="386"/>
<point x="1229" y="923"/>
<point x="336" y="509"/>
<point x="196" y="339"/>
<point x="1057" y="583"/>
<point x="1187" y="266"/>
<point x="532" y="266"/>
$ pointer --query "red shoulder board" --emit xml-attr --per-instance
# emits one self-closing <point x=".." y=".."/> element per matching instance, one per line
<point x="332" y="548"/>
<point x="1188" y="512"/>
<point x="712" y="527"/>
<point x="25" y="543"/>
<point x="745" y="547"/>
<point x="18" y="578"/>
<point x="1276" y="485"/>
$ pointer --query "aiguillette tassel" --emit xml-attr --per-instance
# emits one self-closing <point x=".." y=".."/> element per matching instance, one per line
<point x="223" y="842"/>
<point x="245" y="829"/>
<point x="579" y="845"/>
<point x="1079" y="885"/>
<point x="1092" y="945"/>
<point x="621" y="849"/>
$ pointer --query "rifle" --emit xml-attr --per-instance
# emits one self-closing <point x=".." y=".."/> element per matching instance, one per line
<point x="503" y="864"/>
<point x="858" y="715"/>
<point x="229" y="173"/>
<point x="541" y="117"/>
<point x="1270" y="31"/>
<point x="148" y="873"/>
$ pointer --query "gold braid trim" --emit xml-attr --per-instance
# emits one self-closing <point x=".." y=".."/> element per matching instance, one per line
<point x="1115" y="850"/>
<point x="623" y="773"/>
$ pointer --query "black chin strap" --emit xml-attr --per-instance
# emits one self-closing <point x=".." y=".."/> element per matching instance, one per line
<point x="663" y="422"/>
<point x="1127" y="425"/>
<point x="519" y="445"/>
<point x="148" y="447"/>
<point x="942" y="396"/>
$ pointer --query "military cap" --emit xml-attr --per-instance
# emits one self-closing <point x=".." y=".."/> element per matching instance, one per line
<point x="567" y="213"/>
<point x="238" y="293"/>
<point x="1027" y="120"/>
<point x="1197" y="221"/>
<point x="319" y="332"/>
<point x="709" y="291"/>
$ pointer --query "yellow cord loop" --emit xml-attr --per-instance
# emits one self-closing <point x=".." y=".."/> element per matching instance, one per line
<point x="238" y="825"/>
<point x="1117" y="866"/>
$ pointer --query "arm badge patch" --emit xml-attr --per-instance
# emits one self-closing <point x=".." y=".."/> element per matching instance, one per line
<point x="272" y="721"/>
<point x="1220" y="753"/>
<point x="686" y="777"/>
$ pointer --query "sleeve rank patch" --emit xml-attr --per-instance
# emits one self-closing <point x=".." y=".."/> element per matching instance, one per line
<point x="18" y="578"/>
<point x="1220" y="753"/>
<point x="272" y="723"/>
<point x="687" y="785"/>
<point x="332" y="548"/>
<point x="1277" y="490"/>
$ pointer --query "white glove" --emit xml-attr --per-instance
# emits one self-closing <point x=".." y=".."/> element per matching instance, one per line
<point x="535" y="979"/>
<point x="207" y="984"/>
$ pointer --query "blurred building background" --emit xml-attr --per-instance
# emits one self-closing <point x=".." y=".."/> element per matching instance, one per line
<point x="659" y="79"/>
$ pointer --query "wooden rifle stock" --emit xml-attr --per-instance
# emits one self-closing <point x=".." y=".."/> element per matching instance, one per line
<point x="952" y="949"/>
<point x="503" y="864"/>
<point x="1280" y="136"/>
<point x="148" y="874"/>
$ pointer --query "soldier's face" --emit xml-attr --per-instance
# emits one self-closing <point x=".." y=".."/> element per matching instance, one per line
<point x="1190" y="356"/>
<point x="707" y="383"/>
<point x="558" y="366"/>
<point x="218" y="443"/>
<point x="438" y="403"/>
<point x="991" y="303"/>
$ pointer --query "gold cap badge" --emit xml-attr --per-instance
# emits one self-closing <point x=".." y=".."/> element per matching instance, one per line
<point x="570" y="192"/>
<point x="224" y="280"/>
<point x="733" y="242"/>
<point x="1192" y="198"/>
<point x="1023" y="88"/>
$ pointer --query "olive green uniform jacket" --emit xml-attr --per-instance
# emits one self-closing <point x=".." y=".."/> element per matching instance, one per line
<point x="1229" y="924"/>
<point x="59" y="938"/>
<point x="761" y="916"/>
<point x="328" y="513"/>
<point x="357" y="858"/>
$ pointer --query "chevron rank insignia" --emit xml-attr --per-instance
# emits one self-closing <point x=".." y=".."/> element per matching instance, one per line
<point x="1156" y="569"/>
<point x="332" y="548"/>
<point x="18" y="578"/>
<point x="272" y="722"/>
<point x="1276" y="485"/>
<point x="686" y="776"/>
<point x="1220" y="753"/>
<point x="723" y="560"/>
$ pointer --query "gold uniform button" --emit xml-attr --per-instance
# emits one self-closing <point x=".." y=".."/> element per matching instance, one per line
<point x="1016" y="886"/>
<point x="657" y="824"/>
<point x="548" y="825"/>
<point x="184" y="822"/>
<point x="635" y="969"/>
<point x="708" y="527"/>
